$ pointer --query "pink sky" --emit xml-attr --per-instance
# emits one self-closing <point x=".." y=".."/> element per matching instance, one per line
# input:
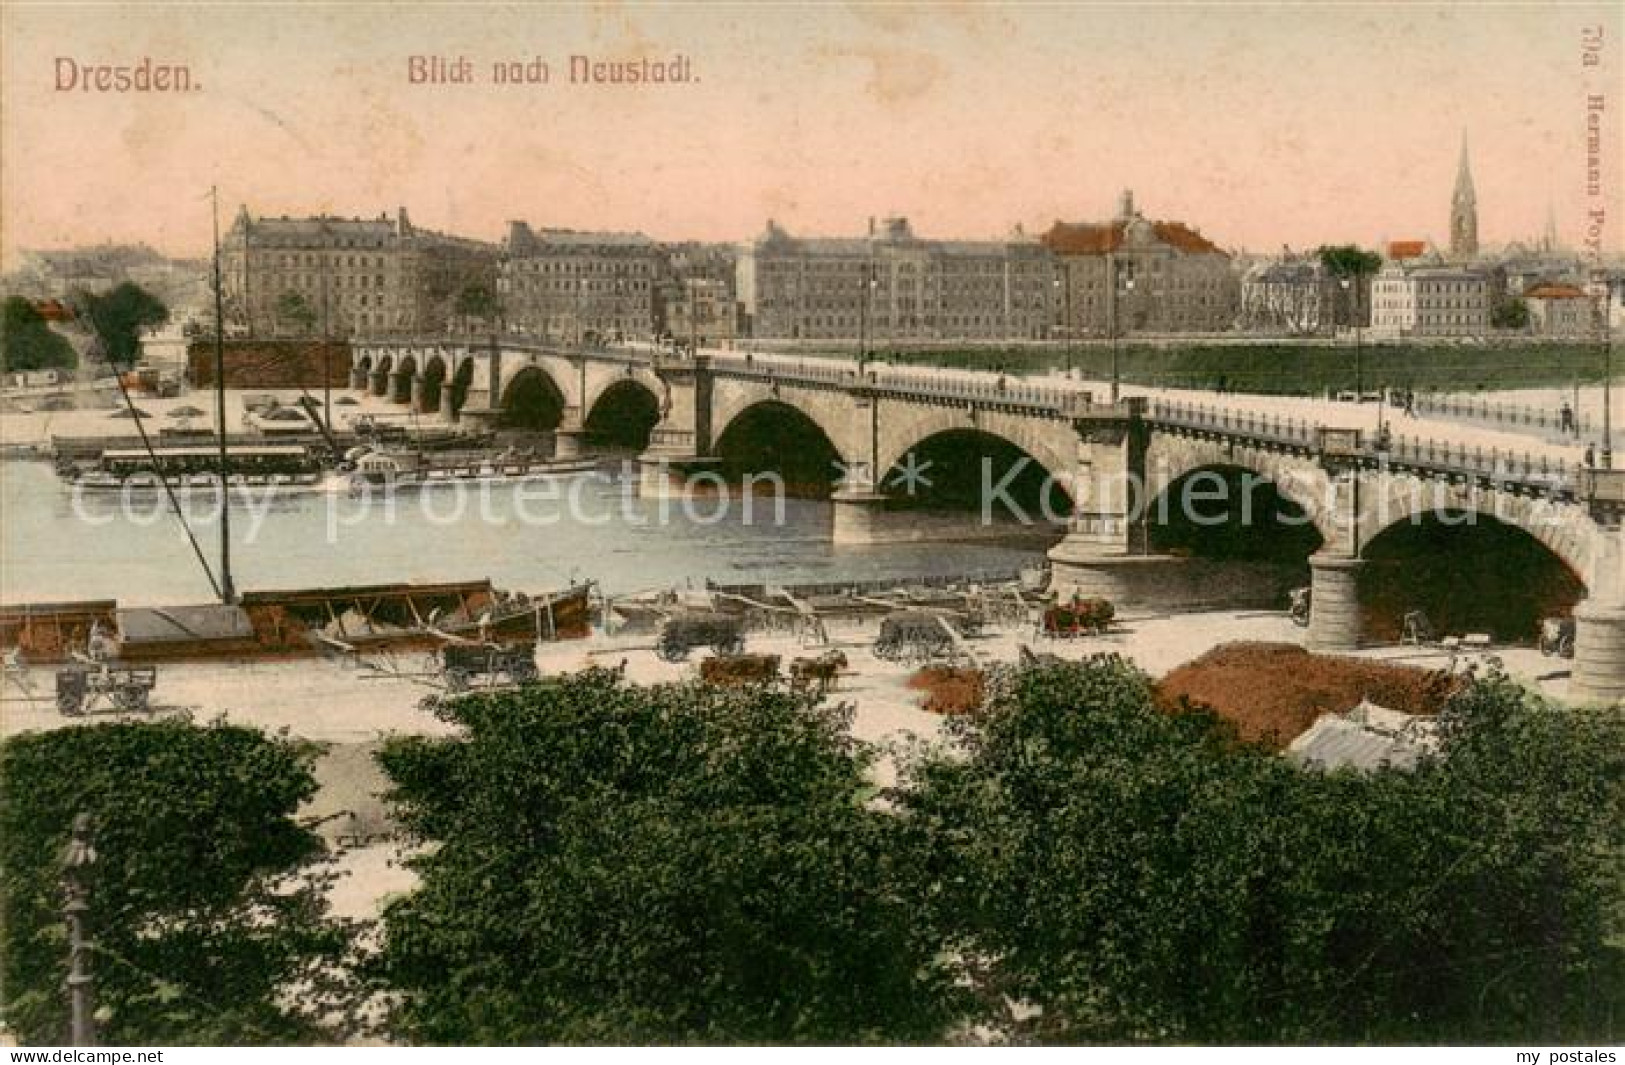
<point x="1262" y="126"/>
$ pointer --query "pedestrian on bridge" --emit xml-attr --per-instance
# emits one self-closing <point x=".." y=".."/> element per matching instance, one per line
<point x="1565" y="418"/>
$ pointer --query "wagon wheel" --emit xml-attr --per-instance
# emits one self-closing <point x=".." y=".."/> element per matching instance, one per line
<point x="132" y="699"/>
<point x="889" y="650"/>
<point x="523" y="672"/>
<point x="457" y="679"/>
<point x="671" y="651"/>
<point x="70" y="703"/>
<point x="729" y="645"/>
<point x="1565" y="645"/>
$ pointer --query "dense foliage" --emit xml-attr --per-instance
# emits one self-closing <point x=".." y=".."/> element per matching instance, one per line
<point x="206" y="910"/>
<point x="27" y="341"/>
<point x="120" y="316"/>
<point x="1510" y="314"/>
<point x="1144" y="876"/>
<point x="670" y="864"/>
<point x="294" y="310"/>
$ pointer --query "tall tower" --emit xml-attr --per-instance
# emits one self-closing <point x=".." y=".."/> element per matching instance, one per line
<point x="1463" y="210"/>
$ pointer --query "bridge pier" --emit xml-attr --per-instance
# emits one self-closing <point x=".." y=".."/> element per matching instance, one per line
<point x="448" y="402"/>
<point x="1334" y="615"/>
<point x="415" y="392"/>
<point x="358" y="379"/>
<point x="569" y="439"/>
<point x="1599" y="654"/>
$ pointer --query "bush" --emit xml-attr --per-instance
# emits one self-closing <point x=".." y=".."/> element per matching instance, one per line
<point x="206" y="908"/>
<point x="671" y="865"/>
<point x="27" y="341"/>
<point x="1144" y="876"/>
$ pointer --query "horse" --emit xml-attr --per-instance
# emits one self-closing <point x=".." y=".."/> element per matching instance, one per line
<point x="823" y="671"/>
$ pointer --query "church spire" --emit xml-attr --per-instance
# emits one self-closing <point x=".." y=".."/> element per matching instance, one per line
<point x="1464" y="209"/>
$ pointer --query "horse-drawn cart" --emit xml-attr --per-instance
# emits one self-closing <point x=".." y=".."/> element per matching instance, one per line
<point x="1077" y="617"/>
<point x="681" y="633"/>
<point x="81" y="687"/>
<point x="914" y="635"/>
<point x="462" y="663"/>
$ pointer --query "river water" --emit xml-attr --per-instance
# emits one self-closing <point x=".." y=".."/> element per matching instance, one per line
<point x="55" y="547"/>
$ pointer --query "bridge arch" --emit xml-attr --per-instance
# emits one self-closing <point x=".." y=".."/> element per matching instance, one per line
<point x="1052" y="444"/>
<point x="462" y="378"/>
<point x="532" y="400"/>
<point x="772" y="436"/>
<point x="832" y="411"/>
<point x="434" y="379"/>
<point x="970" y="468"/>
<point x="1298" y="479"/>
<point x="400" y="382"/>
<point x="622" y="415"/>
<point x="1468" y="570"/>
<point x="1231" y="512"/>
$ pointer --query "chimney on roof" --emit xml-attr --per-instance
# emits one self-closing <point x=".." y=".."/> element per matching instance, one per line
<point x="1125" y="204"/>
<point x="871" y="225"/>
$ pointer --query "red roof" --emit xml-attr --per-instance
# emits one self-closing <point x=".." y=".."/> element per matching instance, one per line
<point x="1407" y="249"/>
<point x="1552" y="291"/>
<point x="1099" y="238"/>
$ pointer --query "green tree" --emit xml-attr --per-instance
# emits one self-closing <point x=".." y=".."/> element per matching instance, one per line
<point x="207" y="909"/>
<point x="295" y="310"/>
<point x="476" y="300"/>
<point x="27" y="341"/>
<point x="1355" y="265"/>
<point x="672" y="864"/>
<point x="1510" y="314"/>
<point x="120" y="316"/>
<point x="1142" y="876"/>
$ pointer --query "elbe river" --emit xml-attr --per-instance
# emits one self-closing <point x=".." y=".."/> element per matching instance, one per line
<point x="56" y="547"/>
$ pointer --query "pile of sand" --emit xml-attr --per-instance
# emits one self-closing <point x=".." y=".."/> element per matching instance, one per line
<point x="1272" y="692"/>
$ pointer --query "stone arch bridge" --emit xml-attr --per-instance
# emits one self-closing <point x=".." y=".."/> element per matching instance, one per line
<point x="1118" y="466"/>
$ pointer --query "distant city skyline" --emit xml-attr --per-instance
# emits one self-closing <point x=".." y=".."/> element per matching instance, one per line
<point x="1262" y="126"/>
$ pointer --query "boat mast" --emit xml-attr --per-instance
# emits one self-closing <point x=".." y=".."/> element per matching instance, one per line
<point x="228" y="592"/>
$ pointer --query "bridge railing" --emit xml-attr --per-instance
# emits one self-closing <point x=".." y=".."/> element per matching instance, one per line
<point x="1507" y="415"/>
<point x="1259" y="426"/>
<point x="1451" y="458"/>
<point x="1523" y="468"/>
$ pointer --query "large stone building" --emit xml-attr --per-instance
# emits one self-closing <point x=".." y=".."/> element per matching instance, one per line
<point x="1136" y="275"/>
<point x="697" y="296"/>
<point x="1426" y="297"/>
<point x="891" y="286"/>
<point x="339" y="277"/>
<point x="1290" y="295"/>
<point x="578" y="286"/>
<point x="1562" y="310"/>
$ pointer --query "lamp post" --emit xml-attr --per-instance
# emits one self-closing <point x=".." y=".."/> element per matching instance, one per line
<point x="1117" y="331"/>
<point x="1607" y="382"/>
<point x="76" y="861"/>
<point x="1351" y="285"/>
<point x="1064" y="283"/>
<point x="868" y="286"/>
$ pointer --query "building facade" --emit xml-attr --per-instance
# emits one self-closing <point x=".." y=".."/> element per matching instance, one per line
<point x="1561" y="310"/>
<point x="574" y="286"/>
<point x="698" y="300"/>
<point x="338" y="277"/>
<point x="892" y="286"/>
<point x="1136" y="275"/>
<point x="1288" y="296"/>
<point x="1430" y="298"/>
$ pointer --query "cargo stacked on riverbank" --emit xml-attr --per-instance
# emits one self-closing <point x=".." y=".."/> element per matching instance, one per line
<point x="358" y="620"/>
